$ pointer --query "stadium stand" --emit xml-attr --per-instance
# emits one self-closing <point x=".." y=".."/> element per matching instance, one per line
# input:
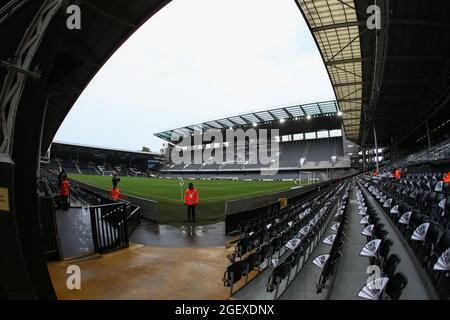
<point x="311" y="141"/>
<point x="272" y="249"/>
<point x="421" y="216"/>
<point x="280" y="243"/>
<point x="416" y="204"/>
<point x="375" y="231"/>
<point x="92" y="160"/>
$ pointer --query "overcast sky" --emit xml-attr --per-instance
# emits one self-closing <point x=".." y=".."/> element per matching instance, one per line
<point x="199" y="60"/>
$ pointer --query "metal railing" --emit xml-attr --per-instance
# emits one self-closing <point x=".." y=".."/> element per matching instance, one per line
<point x="133" y="218"/>
<point x="109" y="227"/>
<point x="48" y="228"/>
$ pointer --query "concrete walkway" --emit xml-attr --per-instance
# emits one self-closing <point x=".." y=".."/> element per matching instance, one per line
<point x="189" y="235"/>
<point x="143" y="272"/>
<point x="74" y="229"/>
<point x="305" y="285"/>
<point x="351" y="275"/>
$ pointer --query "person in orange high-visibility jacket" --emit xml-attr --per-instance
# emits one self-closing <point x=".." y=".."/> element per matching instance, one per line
<point x="447" y="178"/>
<point x="397" y="174"/>
<point x="191" y="201"/>
<point x="375" y="173"/>
<point x="64" y="192"/>
<point x="115" y="193"/>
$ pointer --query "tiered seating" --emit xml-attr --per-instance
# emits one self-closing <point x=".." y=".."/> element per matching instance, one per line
<point x="440" y="151"/>
<point x="418" y="205"/>
<point x="337" y="242"/>
<point x="88" y="169"/>
<point x="193" y="167"/>
<point x="317" y="153"/>
<point x="283" y="239"/>
<point x="86" y="196"/>
<point x="292" y="152"/>
<point x="69" y="168"/>
<point x="50" y="181"/>
<point x="236" y="166"/>
<point x="378" y="250"/>
<point x="213" y="166"/>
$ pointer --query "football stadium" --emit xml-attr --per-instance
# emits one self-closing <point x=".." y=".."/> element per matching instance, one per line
<point x="332" y="199"/>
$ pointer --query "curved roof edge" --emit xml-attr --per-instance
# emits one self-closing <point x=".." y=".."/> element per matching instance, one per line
<point x="296" y="112"/>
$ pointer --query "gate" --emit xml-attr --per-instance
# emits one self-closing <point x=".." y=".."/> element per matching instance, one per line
<point x="109" y="227"/>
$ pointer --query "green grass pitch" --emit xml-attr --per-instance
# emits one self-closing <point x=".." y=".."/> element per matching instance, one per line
<point x="168" y="192"/>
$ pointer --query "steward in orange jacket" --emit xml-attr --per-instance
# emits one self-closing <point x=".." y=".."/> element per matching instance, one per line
<point x="115" y="193"/>
<point x="447" y="178"/>
<point x="397" y="174"/>
<point x="64" y="193"/>
<point x="191" y="201"/>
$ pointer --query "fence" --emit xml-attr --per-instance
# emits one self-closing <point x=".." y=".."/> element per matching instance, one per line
<point x="133" y="218"/>
<point x="149" y="208"/>
<point x="48" y="228"/>
<point x="109" y="227"/>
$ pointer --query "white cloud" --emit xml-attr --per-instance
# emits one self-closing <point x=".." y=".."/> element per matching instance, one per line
<point x="198" y="60"/>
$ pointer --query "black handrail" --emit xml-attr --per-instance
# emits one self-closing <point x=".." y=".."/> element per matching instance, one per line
<point x="109" y="227"/>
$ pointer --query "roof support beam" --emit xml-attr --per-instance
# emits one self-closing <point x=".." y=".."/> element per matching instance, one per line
<point x="338" y="26"/>
<point x="346" y="61"/>
<point x="346" y="46"/>
<point x="245" y="120"/>
<point x="288" y="113"/>
<point x="234" y="123"/>
<point x="352" y="93"/>
<point x="348" y="84"/>
<point x="344" y="70"/>
<point x="273" y="116"/>
<point x="259" y="118"/>
<point x="351" y="110"/>
<point x="351" y="100"/>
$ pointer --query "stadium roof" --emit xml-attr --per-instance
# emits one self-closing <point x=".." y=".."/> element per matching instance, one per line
<point x="395" y="78"/>
<point x="334" y="24"/>
<point x="407" y="71"/>
<point x="318" y="109"/>
<point x="79" y="145"/>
